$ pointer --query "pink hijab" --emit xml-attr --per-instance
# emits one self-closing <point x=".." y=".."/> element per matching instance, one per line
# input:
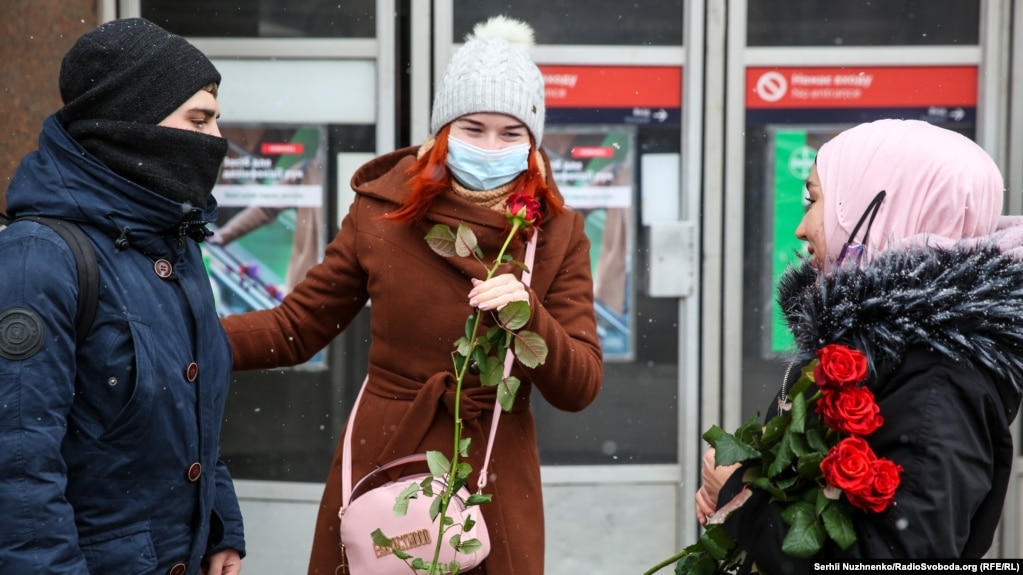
<point x="941" y="187"/>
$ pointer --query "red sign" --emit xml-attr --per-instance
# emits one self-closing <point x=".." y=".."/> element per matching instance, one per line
<point x="281" y="148"/>
<point x="613" y="86"/>
<point x="861" y="87"/>
<point x="592" y="152"/>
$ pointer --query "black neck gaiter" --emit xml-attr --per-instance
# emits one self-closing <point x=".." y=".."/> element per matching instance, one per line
<point x="180" y="165"/>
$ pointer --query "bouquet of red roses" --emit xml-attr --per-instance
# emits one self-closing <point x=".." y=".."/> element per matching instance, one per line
<point x="812" y="455"/>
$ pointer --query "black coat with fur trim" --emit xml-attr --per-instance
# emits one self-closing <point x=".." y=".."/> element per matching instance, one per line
<point x="943" y="334"/>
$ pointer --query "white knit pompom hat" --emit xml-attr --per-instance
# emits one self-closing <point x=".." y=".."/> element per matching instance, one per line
<point x="492" y="72"/>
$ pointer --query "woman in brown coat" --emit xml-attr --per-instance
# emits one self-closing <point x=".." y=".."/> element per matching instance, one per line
<point x="488" y="119"/>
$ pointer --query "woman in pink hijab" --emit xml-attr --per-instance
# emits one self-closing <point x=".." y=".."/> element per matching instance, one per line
<point x="912" y="264"/>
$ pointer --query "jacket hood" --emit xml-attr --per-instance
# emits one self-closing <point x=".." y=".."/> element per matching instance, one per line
<point x="964" y="303"/>
<point x="62" y="180"/>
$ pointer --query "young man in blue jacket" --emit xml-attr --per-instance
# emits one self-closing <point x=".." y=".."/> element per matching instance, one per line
<point x="109" y="449"/>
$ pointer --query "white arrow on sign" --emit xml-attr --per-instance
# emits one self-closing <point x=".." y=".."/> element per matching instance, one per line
<point x="661" y="115"/>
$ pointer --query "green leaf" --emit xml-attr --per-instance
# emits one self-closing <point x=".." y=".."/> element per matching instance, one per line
<point x="462" y="470"/>
<point x="774" y="429"/>
<point x="468" y="524"/>
<point x="401" y="554"/>
<point x="806" y="534"/>
<point x="816" y="439"/>
<point x="717" y="541"/>
<point x="839" y="525"/>
<point x="530" y="349"/>
<point x="515" y="315"/>
<point x="799" y="444"/>
<point x="463" y="346"/>
<point x="809" y="465"/>
<point x="787" y="482"/>
<point x="401" y="501"/>
<point x="729" y="450"/>
<point x="496" y="338"/>
<point x="696" y="564"/>
<point x="750" y="431"/>
<point x="419" y="564"/>
<point x="480" y="355"/>
<point x="784" y="457"/>
<point x="427" y="485"/>
<point x="438" y="463"/>
<point x="712" y="548"/>
<point x="506" y="392"/>
<point x="380" y="539"/>
<point x="805" y="379"/>
<point x="820" y="501"/>
<point x="712" y="434"/>
<point x="478" y="499"/>
<point x="508" y="260"/>
<point x="441" y="240"/>
<point x="463" y="446"/>
<point x="491" y="372"/>
<point x="454" y="568"/>
<point x="465" y="241"/>
<point x="798" y="414"/>
<point x="435" y="508"/>
<point x="459" y="361"/>
<point x="470" y="546"/>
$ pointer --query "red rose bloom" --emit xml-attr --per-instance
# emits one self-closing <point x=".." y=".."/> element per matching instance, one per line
<point x="840" y="366"/>
<point x="849" y="465"/>
<point x="525" y="209"/>
<point x="878" y="495"/>
<point x="850" y="410"/>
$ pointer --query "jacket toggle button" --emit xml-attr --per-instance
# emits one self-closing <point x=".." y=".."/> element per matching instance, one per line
<point x="178" y="569"/>
<point x="163" y="268"/>
<point x="194" y="471"/>
<point x="192" y="372"/>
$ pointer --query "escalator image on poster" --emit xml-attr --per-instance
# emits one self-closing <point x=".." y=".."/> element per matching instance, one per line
<point x="593" y="166"/>
<point x="270" y="226"/>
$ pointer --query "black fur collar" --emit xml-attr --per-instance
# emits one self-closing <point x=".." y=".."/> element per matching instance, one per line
<point x="965" y="303"/>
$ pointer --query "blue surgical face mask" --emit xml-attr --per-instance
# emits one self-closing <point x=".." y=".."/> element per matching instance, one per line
<point x="481" y="169"/>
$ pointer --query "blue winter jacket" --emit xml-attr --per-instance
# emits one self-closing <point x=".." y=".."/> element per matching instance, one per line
<point x="109" y="453"/>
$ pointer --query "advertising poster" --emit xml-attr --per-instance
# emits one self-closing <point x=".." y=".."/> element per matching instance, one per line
<point x="270" y="226"/>
<point x="593" y="166"/>
<point x="794" y="151"/>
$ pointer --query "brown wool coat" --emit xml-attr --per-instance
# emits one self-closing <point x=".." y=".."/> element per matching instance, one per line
<point x="419" y="308"/>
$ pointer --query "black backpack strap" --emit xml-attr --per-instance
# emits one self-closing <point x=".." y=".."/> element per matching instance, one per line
<point x="88" y="271"/>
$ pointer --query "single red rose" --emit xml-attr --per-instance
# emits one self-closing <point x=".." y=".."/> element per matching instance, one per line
<point x="525" y="209"/>
<point x="881" y="492"/>
<point x="851" y="410"/>
<point x="849" y="465"/>
<point x="840" y="366"/>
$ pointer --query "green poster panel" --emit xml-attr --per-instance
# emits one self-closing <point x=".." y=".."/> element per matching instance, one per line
<point x="793" y="159"/>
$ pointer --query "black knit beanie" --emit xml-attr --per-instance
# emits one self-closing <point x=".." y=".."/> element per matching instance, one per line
<point x="131" y="71"/>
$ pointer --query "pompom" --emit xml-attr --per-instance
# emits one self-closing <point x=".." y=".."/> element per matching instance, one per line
<point x="516" y="32"/>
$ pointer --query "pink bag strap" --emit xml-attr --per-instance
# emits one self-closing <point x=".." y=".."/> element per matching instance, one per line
<point x="346" y="456"/>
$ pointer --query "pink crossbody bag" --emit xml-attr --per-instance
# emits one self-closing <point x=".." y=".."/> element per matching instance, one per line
<point x="364" y="511"/>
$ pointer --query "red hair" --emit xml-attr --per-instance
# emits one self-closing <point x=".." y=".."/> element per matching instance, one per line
<point x="429" y="177"/>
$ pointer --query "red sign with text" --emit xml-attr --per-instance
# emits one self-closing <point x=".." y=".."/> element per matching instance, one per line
<point x="612" y="86"/>
<point x="861" y="87"/>
<point x="281" y="148"/>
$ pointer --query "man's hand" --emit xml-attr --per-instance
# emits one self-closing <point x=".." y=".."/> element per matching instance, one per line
<point x="226" y="562"/>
